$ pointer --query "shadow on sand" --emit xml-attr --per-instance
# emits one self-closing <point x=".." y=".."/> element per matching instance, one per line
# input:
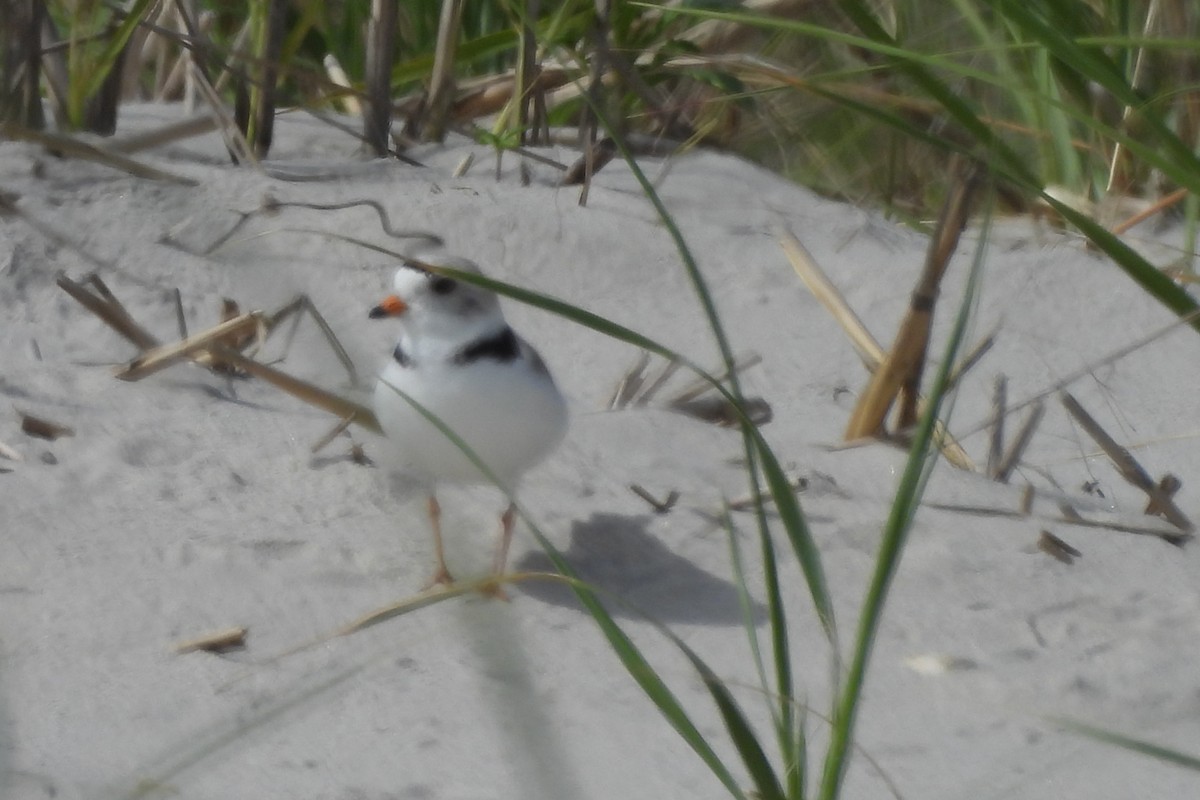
<point x="615" y="553"/>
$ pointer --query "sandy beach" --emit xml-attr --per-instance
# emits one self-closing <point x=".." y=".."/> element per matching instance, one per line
<point x="190" y="502"/>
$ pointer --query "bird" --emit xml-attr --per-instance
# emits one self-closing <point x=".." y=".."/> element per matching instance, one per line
<point x="458" y="358"/>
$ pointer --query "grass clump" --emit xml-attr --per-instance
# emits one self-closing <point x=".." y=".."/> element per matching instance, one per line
<point x="1069" y="105"/>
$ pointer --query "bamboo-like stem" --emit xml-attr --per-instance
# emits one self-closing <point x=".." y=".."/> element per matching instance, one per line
<point x="381" y="49"/>
<point x="442" y="84"/>
<point x="900" y="373"/>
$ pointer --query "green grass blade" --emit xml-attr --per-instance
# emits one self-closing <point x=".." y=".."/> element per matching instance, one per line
<point x="1139" y="269"/>
<point x="746" y="601"/>
<point x="624" y="648"/>
<point x="783" y="710"/>
<point x="1094" y="65"/>
<point x="1167" y="754"/>
<point x="777" y="621"/>
<point x="781" y="490"/>
<point x="922" y="457"/>
<point x="116" y="43"/>
<point x="799" y="535"/>
<point x="1185" y="171"/>
<point x="862" y="16"/>
<point x="159" y="778"/>
<point x="469" y="53"/>
<point x="649" y="680"/>
<point x="766" y="784"/>
<point x="784" y="497"/>
<point x="783" y="494"/>
<point x="917" y="66"/>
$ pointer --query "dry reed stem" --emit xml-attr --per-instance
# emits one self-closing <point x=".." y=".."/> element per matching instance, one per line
<point x="180" y="319"/>
<point x="1028" y="494"/>
<point x="464" y="166"/>
<point x="1162" y="204"/>
<point x="869" y="350"/>
<point x="235" y="140"/>
<point x="216" y="642"/>
<point x="334" y="432"/>
<point x="1135" y="82"/>
<point x="197" y="31"/>
<point x="110" y="311"/>
<point x="1128" y="466"/>
<point x="591" y="162"/>
<point x="338" y="77"/>
<point x="1168" y="486"/>
<point x="701" y="386"/>
<point x="10" y="452"/>
<point x="69" y="146"/>
<point x="169" y="84"/>
<point x="901" y="370"/>
<point x="600" y="57"/>
<point x="633" y="391"/>
<point x="441" y="80"/>
<point x="267" y="68"/>
<point x="996" y="445"/>
<point x="968" y="363"/>
<point x="381" y="48"/>
<point x="310" y="393"/>
<point x="195" y="348"/>
<point x="238" y="45"/>
<point x="208" y="346"/>
<point x="659" y="506"/>
<point x="42" y="428"/>
<point x="305" y="303"/>
<point x="818" y="283"/>
<point x="527" y="72"/>
<point x="1008" y="463"/>
<point x="630" y="382"/>
<point x="720" y="412"/>
<point x="197" y="125"/>
<point x="1091" y="367"/>
<point x="1056" y="548"/>
<point x="667" y="371"/>
<point x="1068" y="516"/>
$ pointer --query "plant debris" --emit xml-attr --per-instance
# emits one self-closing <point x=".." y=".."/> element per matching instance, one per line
<point x="636" y="390"/>
<point x="659" y="506"/>
<point x="1160" y="493"/>
<point x="43" y="428"/>
<point x="217" y="642"/>
<point x="1056" y="548"/>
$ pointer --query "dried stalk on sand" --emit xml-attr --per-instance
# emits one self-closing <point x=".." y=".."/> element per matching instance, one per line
<point x="868" y="348"/>
<point x="900" y="374"/>
<point x="220" y="346"/>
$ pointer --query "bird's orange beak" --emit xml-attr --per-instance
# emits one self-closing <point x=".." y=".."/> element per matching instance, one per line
<point x="391" y="306"/>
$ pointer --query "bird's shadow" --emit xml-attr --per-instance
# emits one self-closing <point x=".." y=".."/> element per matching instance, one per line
<point x="615" y="554"/>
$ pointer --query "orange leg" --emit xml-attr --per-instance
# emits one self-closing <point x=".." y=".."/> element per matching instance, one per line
<point x="441" y="575"/>
<point x="500" y="562"/>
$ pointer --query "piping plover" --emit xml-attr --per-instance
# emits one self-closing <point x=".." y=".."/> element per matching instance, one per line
<point x="458" y="358"/>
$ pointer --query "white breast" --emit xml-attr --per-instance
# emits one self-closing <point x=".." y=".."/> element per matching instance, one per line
<point x="509" y="413"/>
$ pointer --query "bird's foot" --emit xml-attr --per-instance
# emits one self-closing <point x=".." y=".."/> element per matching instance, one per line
<point x="494" y="590"/>
<point x="440" y="577"/>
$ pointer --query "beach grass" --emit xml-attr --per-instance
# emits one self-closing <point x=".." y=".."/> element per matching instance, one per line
<point x="1082" y="110"/>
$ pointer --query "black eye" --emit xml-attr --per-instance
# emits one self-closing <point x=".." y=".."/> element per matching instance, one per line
<point x="443" y="285"/>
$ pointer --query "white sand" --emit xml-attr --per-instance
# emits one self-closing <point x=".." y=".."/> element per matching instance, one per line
<point x="184" y="505"/>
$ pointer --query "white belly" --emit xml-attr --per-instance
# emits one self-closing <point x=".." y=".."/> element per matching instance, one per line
<point x="510" y="416"/>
